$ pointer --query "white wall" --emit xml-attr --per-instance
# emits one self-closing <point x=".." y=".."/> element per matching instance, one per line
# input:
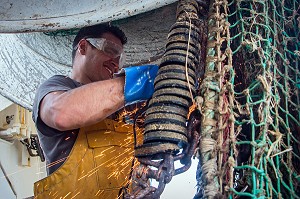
<point x="21" y="177"/>
<point x="4" y="103"/>
<point x="21" y="169"/>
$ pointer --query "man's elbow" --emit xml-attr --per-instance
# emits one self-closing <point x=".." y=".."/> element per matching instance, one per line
<point x="60" y="121"/>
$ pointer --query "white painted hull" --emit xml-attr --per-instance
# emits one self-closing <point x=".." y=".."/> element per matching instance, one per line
<point x="37" y="15"/>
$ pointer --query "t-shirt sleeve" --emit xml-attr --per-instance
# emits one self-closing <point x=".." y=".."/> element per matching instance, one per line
<point x="55" y="83"/>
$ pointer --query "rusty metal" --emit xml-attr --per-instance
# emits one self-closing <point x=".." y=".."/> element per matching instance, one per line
<point x="164" y="168"/>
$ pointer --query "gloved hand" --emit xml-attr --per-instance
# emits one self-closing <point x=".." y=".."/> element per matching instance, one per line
<point x="139" y="82"/>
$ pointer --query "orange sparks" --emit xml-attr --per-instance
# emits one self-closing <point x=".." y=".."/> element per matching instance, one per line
<point x="191" y="109"/>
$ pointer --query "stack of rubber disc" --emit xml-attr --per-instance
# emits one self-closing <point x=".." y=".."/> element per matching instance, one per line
<point x="174" y="88"/>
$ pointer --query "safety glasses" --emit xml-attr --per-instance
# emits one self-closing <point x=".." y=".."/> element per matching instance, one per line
<point x="109" y="48"/>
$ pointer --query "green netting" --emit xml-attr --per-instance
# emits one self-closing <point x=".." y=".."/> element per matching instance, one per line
<point x="250" y="144"/>
<point x="62" y="32"/>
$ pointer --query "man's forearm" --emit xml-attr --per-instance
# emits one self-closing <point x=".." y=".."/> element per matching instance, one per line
<point x="83" y="106"/>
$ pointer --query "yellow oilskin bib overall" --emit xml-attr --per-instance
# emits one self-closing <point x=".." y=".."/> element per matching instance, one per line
<point x="98" y="166"/>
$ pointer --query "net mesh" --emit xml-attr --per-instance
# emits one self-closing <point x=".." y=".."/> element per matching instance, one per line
<point x="250" y="134"/>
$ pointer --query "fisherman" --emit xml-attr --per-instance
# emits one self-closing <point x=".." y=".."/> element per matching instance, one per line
<point x="88" y="153"/>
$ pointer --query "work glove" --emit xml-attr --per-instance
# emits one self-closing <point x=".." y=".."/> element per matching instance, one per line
<point x="139" y="82"/>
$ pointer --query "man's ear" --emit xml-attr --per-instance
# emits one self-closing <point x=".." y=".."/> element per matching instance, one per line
<point x="82" y="46"/>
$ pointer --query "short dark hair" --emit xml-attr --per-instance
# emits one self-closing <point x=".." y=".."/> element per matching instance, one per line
<point x="97" y="31"/>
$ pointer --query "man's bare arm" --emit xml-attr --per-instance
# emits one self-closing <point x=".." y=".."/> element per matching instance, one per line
<point x="82" y="106"/>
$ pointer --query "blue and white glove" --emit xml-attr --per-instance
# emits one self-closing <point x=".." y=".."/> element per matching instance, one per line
<point x="139" y="82"/>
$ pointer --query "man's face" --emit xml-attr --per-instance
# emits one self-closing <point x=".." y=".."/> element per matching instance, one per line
<point x="99" y="65"/>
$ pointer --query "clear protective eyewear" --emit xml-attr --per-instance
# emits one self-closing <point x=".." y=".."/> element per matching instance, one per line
<point x="109" y="48"/>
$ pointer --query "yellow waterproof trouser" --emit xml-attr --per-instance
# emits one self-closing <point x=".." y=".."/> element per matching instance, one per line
<point x="98" y="166"/>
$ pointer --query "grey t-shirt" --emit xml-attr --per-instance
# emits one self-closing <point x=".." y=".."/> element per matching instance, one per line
<point x="55" y="144"/>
